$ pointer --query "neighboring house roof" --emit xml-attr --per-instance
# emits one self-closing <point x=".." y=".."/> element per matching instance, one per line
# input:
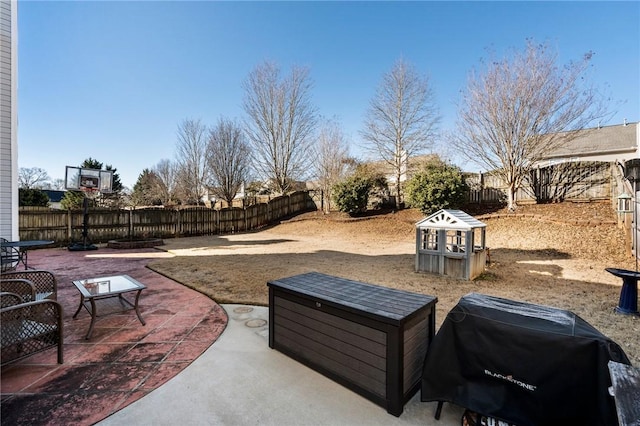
<point x="450" y="219"/>
<point x="415" y="163"/>
<point x="54" y="196"/>
<point x="618" y="142"/>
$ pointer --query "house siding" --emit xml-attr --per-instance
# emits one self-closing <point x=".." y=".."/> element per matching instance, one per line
<point x="8" y="120"/>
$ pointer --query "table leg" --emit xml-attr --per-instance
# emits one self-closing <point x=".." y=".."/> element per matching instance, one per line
<point x="136" y="307"/>
<point x="79" y="307"/>
<point x="93" y="318"/>
<point x="22" y="258"/>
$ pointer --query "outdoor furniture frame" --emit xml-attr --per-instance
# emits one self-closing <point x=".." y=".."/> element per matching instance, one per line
<point x="21" y="249"/>
<point x="99" y="289"/>
<point x="24" y="289"/>
<point x="44" y="283"/>
<point x="9" y="256"/>
<point x="29" y="328"/>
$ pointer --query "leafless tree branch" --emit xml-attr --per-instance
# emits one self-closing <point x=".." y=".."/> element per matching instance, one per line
<point x="521" y="108"/>
<point x="280" y="123"/>
<point x="401" y="120"/>
<point x="228" y="159"/>
<point x="332" y="161"/>
<point x="32" y="177"/>
<point x="166" y="172"/>
<point x="191" y="159"/>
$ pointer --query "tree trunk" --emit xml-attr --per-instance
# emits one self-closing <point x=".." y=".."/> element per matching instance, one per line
<point x="511" y="194"/>
<point x="398" y="191"/>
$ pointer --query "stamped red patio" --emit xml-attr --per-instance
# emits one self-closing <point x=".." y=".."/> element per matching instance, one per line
<point x="123" y="360"/>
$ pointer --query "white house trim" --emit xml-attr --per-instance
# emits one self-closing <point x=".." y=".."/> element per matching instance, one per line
<point x="9" y="119"/>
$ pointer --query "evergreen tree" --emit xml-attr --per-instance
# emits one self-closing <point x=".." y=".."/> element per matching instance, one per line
<point x="113" y="199"/>
<point x="146" y="190"/>
<point x="32" y="197"/>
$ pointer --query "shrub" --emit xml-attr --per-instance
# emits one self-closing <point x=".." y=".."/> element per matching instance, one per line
<point x="32" y="197"/>
<point x="437" y="186"/>
<point x="72" y="200"/>
<point x="352" y="195"/>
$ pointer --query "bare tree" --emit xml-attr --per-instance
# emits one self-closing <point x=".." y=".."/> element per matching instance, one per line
<point x="280" y="123"/>
<point x="166" y="173"/>
<point x="332" y="160"/>
<point x="32" y="177"/>
<point x="228" y="159"/>
<point x="57" y="184"/>
<point x="191" y="157"/>
<point x="401" y="120"/>
<point x="522" y="108"/>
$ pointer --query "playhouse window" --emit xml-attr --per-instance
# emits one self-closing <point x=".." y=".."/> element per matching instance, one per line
<point x="455" y="241"/>
<point x="478" y="239"/>
<point x="429" y="239"/>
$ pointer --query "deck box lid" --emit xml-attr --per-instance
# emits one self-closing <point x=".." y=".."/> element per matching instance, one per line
<point x="385" y="304"/>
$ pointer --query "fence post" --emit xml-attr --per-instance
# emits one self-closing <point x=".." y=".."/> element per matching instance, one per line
<point x="69" y="225"/>
<point x="130" y="223"/>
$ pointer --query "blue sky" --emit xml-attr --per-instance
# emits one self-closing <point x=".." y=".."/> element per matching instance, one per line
<point x="112" y="80"/>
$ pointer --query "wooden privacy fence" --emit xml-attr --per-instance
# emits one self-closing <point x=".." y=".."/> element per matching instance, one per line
<point x="65" y="226"/>
<point x="578" y="181"/>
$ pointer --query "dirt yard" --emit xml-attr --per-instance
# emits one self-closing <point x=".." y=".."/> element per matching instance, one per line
<point x="547" y="254"/>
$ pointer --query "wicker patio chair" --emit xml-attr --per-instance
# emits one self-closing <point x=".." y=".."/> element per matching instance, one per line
<point x="46" y="285"/>
<point x="28" y="328"/>
<point x="9" y="256"/>
<point x="9" y="299"/>
<point x="25" y="289"/>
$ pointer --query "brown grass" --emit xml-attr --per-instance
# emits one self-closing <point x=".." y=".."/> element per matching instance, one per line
<point x="548" y="254"/>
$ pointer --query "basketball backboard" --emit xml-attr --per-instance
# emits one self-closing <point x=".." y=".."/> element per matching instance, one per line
<point x="81" y="179"/>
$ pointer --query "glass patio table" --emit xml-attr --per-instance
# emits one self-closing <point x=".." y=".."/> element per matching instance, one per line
<point x="23" y="248"/>
<point x="95" y="289"/>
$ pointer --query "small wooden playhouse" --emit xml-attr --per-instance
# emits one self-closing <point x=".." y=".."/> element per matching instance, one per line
<point x="452" y="243"/>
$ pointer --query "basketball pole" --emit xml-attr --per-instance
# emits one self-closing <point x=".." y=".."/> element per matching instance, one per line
<point x="85" y="244"/>
<point x="87" y="180"/>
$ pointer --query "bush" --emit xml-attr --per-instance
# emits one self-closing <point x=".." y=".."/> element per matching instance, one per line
<point x="437" y="186"/>
<point x="32" y="197"/>
<point x="72" y="200"/>
<point x="352" y="195"/>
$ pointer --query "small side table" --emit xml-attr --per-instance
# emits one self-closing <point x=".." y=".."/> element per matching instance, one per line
<point x="94" y="289"/>
<point x="628" y="303"/>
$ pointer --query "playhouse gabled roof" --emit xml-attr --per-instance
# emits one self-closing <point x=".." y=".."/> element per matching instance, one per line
<point x="450" y="219"/>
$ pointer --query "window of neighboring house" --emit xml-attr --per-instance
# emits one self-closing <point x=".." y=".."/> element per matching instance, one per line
<point x="455" y="241"/>
<point x="429" y="239"/>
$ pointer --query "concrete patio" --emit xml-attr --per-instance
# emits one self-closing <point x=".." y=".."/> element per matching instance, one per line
<point x="169" y="372"/>
<point x="240" y="381"/>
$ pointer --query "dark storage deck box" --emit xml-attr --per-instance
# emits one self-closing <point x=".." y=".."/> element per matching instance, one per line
<point x="368" y="338"/>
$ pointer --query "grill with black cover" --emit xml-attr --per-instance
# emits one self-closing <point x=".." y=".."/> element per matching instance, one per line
<point x="522" y="363"/>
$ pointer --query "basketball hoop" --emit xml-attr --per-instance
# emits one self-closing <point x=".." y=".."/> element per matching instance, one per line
<point x="81" y="179"/>
<point x="88" y="181"/>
